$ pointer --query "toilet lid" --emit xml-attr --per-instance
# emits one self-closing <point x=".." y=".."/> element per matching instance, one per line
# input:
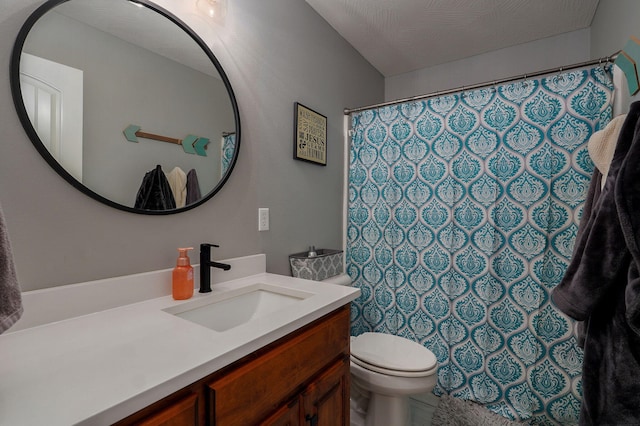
<point x="387" y="372"/>
<point x="389" y="352"/>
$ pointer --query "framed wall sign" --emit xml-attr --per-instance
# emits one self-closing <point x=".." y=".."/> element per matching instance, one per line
<point x="309" y="135"/>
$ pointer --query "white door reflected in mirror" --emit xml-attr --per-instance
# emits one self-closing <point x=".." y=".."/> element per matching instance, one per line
<point x="52" y="94"/>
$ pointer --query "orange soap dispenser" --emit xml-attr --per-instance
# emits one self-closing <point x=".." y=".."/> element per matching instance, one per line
<point x="183" y="276"/>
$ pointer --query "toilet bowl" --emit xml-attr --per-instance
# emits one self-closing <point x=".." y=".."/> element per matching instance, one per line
<point x="385" y="370"/>
<point x="390" y="368"/>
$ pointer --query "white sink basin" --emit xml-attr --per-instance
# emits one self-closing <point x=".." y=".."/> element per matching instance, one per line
<point x="236" y="307"/>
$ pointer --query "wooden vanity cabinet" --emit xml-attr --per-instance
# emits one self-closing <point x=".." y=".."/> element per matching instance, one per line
<point x="301" y="379"/>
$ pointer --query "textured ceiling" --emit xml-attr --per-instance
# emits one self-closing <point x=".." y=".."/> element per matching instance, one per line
<point x="399" y="36"/>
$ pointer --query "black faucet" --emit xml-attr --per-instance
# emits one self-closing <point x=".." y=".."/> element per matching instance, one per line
<point x="205" y="267"/>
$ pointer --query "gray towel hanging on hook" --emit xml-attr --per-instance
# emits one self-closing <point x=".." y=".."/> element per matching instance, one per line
<point x="10" y="297"/>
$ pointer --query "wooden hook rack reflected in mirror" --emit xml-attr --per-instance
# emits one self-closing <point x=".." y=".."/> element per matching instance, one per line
<point x="191" y="144"/>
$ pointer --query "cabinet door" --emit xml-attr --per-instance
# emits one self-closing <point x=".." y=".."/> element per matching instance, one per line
<point x="287" y="415"/>
<point x="326" y="400"/>
<point x="254" y="390"/>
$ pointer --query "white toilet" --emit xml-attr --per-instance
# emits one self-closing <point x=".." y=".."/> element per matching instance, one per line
<point x="386" y="369"/>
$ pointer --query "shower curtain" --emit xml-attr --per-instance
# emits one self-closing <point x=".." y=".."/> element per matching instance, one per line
<point x="462" y="214"/>
<point x="228" y="147"/>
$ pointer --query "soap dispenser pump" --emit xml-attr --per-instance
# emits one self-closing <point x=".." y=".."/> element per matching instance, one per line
<point x="182" y="287"/>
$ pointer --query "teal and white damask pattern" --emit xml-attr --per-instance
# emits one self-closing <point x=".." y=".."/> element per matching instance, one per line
<point x="463" y="210"/>
<point x="227" y="152"/>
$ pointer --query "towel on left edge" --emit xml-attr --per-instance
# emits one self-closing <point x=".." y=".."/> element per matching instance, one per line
<point x="10" y="297"/>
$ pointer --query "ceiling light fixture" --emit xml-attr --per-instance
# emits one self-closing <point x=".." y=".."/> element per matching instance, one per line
<point x="214" y="9"/>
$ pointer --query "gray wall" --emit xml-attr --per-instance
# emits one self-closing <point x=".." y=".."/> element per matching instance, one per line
<point x="615" y="21"/>
<point x="275" y="53"/>
<point x="564" y="49"/>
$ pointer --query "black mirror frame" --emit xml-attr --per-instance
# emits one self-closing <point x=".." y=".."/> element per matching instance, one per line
<point x="16" y="93"/>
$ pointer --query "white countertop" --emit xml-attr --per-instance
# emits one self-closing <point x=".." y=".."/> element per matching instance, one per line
<point x="101" y="367"/>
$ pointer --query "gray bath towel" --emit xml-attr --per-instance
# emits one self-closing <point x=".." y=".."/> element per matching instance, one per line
<point x="602" y="287"/>
<point x="10" y="297"/>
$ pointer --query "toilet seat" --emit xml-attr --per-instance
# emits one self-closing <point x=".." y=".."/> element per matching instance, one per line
<point x="392" y="355"/>
<point x="396" y="373"/>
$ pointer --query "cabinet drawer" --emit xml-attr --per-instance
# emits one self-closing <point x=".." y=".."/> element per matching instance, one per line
<point x="183" y="411"/>
<point x="255" y="389"/>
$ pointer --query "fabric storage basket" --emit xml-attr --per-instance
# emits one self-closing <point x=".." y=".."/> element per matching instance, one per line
<point x="327" y="263"/>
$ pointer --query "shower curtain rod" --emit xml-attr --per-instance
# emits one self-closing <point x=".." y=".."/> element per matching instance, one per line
<point x="606" y="59"/>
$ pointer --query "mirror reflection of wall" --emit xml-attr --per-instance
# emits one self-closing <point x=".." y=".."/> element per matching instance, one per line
<point x="127" y="84"/>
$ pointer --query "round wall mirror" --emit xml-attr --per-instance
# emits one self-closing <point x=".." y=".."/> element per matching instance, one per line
<point x="126" y="103"/>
